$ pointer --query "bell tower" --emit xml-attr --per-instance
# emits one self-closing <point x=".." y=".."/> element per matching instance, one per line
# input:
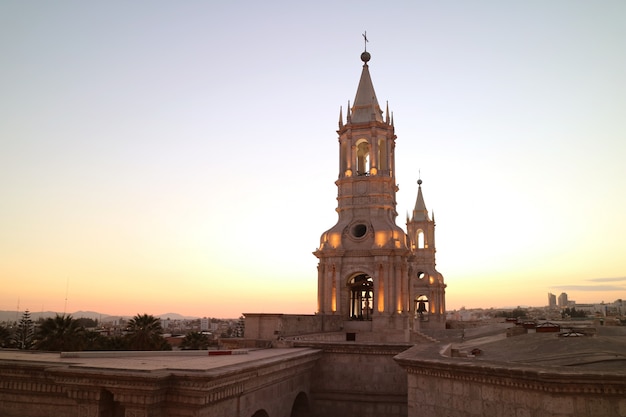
<point x="427" y="288"/>
<point x="365" y="260"/>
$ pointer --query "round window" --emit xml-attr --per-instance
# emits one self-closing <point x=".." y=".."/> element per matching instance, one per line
<point x="359" y="230"/>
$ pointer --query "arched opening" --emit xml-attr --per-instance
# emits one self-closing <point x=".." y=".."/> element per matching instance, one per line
<point x="361" y="297"/>
<point x="109" y="407"/>
<point x="419" y="239"/>
<point x="260" y="413"/>
<point x="362" y="157"/>
<point x="421" y="307"/>
<point x="300" y="406"/>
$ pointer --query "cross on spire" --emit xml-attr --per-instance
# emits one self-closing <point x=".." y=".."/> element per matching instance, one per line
<point x="365" y="40"/>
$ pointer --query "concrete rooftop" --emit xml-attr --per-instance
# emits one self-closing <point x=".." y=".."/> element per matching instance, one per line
<point x="134" y="361"/>
<point x="601" y="352"/>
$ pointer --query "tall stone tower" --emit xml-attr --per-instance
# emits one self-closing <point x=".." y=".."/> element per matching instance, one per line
<point x="372" y="275"/>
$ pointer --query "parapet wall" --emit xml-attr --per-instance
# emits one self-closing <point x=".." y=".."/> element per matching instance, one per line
<point x="462" y="388"/>
<point x="276" y="326"/>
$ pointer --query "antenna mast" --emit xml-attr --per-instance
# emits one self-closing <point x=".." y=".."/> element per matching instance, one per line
<point x="67" y="288"/>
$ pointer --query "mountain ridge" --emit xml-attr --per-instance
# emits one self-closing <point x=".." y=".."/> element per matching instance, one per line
<point x="13" y="315"/>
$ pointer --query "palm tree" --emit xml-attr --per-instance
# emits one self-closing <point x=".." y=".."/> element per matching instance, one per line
<point x="60" y="333"/>
<point x="195" y="341"/>
<point x="145" y="333"/>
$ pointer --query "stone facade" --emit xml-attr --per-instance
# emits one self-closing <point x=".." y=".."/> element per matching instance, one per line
<point x="276" y="326"/>
<point x="181" y="384"/>
<point x="552" y="384"/>
<point x="358" y="380"/>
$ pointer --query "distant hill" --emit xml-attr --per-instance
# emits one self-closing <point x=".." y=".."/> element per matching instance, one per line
<point x="17" y="315"/>
<point x="10" y="316"/>
<point x="176" y="316"/>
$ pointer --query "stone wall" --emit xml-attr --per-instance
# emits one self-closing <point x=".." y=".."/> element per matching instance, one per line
<point x="461" y="388"/>
<point x="358" y="380"/>
<point x="275" y="326"/>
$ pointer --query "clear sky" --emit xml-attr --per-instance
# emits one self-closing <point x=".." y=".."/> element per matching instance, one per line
<point x="163" y="156"/>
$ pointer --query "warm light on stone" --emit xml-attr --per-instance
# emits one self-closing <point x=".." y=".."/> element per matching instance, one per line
<point x="381" y="238"/>
<point x="334" y="239"/>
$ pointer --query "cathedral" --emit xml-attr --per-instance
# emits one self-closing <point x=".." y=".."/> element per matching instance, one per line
<point x="371" y="273"/>
<point x="377" y="345"/>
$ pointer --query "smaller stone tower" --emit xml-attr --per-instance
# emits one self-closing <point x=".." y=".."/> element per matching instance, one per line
<point x="427" y="285"/>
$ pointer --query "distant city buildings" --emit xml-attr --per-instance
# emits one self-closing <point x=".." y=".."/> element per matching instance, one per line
<point x="614" y="311"/>
<point x="205" y="324"/>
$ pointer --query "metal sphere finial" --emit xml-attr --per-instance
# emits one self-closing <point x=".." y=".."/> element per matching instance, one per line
<point x="365" y="56"/>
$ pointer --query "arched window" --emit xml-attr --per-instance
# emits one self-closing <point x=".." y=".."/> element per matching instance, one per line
<point x="362" y="157"/>
<point x="361" y="297"/>
<point x="419" y="239"/>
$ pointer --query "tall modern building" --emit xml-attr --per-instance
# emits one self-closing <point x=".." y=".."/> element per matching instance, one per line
<point x="372" y="274"/>
<point x="551" y="300"/>
<point x="563" y="302"/>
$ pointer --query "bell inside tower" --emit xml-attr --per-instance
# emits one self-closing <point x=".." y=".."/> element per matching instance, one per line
<point x="362" y="157"/>
<point x="361" y="297"/>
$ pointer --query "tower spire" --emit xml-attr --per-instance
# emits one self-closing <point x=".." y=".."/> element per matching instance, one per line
<point x="366" y="108"/>
<point x="420" y="212"/>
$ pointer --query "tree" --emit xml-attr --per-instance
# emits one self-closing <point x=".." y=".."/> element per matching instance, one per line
<point x="94" y="340"/>
<point x="145" y="333"/>
<point x="86" y="322"/>
<point x="23" y="337"/>
<point x="513" y="314"/>
<point x="572" y="312"/>
<point x="61" y="333"/>
<point x="6" y="337"/>
<point x="195" y="341"/>
<point x="114" y="343"/>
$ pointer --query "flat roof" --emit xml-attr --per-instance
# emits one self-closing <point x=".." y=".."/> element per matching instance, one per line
<point x="154" y="361"/>
<point x="599" y="353"/>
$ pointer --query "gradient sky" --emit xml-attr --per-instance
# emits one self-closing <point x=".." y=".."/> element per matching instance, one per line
<point x="165" y="156"/>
